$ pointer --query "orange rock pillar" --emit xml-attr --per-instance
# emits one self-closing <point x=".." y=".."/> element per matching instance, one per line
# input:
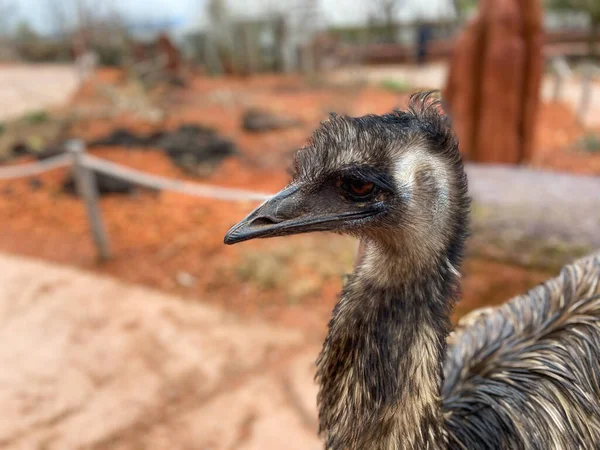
<point x="493" y="88"/>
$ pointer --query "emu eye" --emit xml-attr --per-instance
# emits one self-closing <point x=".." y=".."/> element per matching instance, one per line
<point x="357" y="188"/>
<point x="361" y="188"/>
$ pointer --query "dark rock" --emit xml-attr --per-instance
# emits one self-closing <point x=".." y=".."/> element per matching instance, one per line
<point x="153" y="138"/>
<point x="123" y="138"/>
<point x="258" y="120"/>
<point x="196" y="148"/>
<point x="24" y="149"/>
<point x="49" y="152"/>
<point x="106" y="185"/>
<point x="35" y="184"/>
<point x="20" y="149"/>
<point x="177" y="81"/>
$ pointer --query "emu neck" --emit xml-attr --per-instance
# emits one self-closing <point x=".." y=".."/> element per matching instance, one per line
<point x="381" y="367"/>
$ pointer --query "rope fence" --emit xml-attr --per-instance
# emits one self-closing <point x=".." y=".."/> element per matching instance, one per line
<point x="84" y="168"/>
<point x="168" y="184"/>
<point x="35" y="168"/>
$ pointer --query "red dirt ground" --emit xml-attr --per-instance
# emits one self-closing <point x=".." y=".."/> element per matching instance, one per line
<point x="174" y="242"/>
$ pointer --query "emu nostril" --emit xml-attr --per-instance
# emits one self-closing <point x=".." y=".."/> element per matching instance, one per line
<point x="264" y="220"/>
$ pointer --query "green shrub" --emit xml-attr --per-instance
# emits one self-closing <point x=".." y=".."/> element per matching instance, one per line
<point x="37" y="117"/>
<point x="399" y="86"/>
<point x="590" y="143"/>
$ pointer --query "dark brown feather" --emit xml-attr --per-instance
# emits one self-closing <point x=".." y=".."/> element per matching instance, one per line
<point x="526" y="374"/>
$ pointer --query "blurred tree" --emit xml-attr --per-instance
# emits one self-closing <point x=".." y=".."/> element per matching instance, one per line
<point x="217" y="11"/>
<point x="25" y="34"/>
<point x="58" y="18"/>
<point x="28" y="44"/>
<point x="83" y="25"/>
<point x="7" y="14"/>
<point x="219" y="42"/>
<point x="589" y="7"/>
<point x="464" y="7"/>
<point x="306" y="23"/>
<point x="8" y="10"/>
<point x="281" y="32"/>
<point x="388" y="9"/>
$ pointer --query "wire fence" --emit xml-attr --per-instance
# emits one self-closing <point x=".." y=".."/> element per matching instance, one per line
<point x="85" y="166"/>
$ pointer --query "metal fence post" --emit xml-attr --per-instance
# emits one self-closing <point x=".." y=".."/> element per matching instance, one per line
<point x="85" y="181"/>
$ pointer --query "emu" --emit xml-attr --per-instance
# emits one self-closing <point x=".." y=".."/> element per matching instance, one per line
<point x="392" y="374"/>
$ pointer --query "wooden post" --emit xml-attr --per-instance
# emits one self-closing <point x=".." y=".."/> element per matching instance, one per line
<point x="561" y="71"/>
<point x="211" y="55"/>
<point x="557" y="91"/>
<point x="586" y="93"/>
<point x="307" y="63"/>
<point x="85" y="182"/>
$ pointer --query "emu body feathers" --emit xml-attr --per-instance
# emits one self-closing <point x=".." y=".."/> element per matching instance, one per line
<point x="527" y="374"/>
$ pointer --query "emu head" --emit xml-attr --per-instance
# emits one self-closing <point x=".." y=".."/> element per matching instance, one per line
<point x="396" y="181"/>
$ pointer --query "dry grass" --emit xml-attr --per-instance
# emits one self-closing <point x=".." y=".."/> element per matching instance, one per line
<point x="298" y="267"/>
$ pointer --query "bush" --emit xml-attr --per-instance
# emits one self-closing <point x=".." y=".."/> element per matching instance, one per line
<point x="37" y="117"/>
<point x="590" y="143"/>
<point x="111" y="56"/>
<point x="399" y="86"/>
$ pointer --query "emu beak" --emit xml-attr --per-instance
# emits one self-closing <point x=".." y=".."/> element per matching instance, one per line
<point x="293" y="211"/>
<point x="277" y="216"/>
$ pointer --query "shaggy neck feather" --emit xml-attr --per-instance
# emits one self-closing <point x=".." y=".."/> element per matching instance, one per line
<point x="381" y="367"/>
